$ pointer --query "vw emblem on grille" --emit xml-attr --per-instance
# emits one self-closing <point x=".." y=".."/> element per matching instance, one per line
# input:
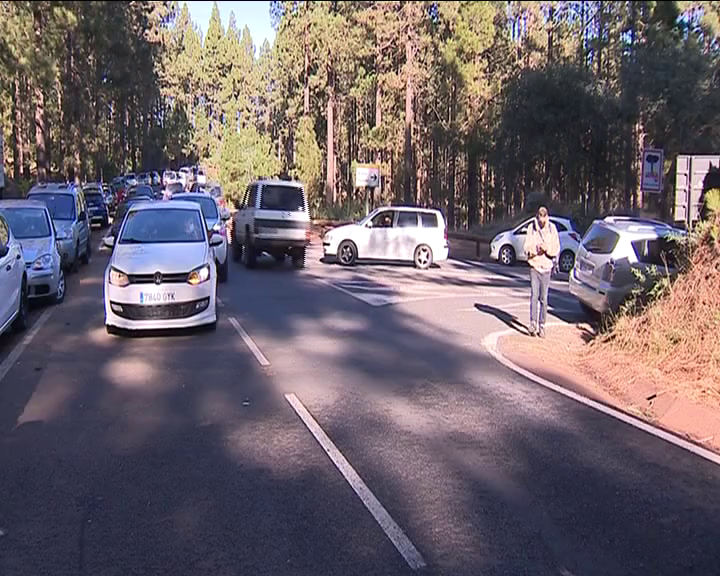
<point x="158" y="278"/>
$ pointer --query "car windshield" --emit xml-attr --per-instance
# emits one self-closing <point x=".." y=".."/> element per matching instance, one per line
<point x="164" y="226"/>
<point x="207" y="205"/>
<point x="285" y="198"/>
<point x="61" y="206"/>
<point x="94" y="199"/>
<point x="27" y="223"/>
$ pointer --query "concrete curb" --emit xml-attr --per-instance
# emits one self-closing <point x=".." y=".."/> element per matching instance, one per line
<point x="490" y="343"/>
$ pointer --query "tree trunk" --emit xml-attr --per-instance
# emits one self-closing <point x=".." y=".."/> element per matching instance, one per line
<point x="330" y="168"/>
<point x="306" y="88"/>
<point x="17" y="129"/>
<point x="28" y="132"/>
<point x="409" y="55"/>
<point x="472" y="185"/>
<point x="451" y="188"/>
<point x="40" y="157"/>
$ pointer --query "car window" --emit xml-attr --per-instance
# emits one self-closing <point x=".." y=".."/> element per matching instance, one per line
<point x="407" y="220"/>
<point x="94" y="199"/>
<point x="429" y="220"/>
<point x="207" y="205"/>
<point x="279" y="197"/>
<point x="4" y="232"/>
<point x="61" y="206"/>
<point x="658" y="251"/>
<point x="600" y="240"/>
<point x="170" y="226"/>
<point x="559" y="225"/>
<point x="383" y="219"/>
<point x="523" y="228"/>
<point x="27" y="223"/>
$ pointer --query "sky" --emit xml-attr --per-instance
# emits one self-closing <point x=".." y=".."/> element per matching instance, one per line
<point x="256" y="15"/>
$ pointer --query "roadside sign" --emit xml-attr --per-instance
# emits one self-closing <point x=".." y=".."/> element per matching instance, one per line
<point x="652" y="170"/>
<point x="367" y="176"/>
<point x="690" y="174"/>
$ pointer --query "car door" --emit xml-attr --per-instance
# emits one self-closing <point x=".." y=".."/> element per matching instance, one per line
<point x="380" y="235"/>
<point x="518" y="240"/>
<point x="81" y="215"/>
<point x="405" y="236"/>
<point x="11" y="270"/>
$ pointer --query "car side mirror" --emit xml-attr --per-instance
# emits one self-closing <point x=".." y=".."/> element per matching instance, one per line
<point x="4" y="250"/>
<point x="216" y="240"/>
<point x="109" y="241"/>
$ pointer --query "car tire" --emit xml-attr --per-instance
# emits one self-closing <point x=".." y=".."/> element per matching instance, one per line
<point x="222" y="270"/>
<point x="59" y="295"/>
<point x="298" y="258"/>
<point x="590" y="312"/>
<point x="75" y="266"/>
<point x="249" y="256"/>
<point x="112" y="330"/>
<point x="347" y="253"/>
<point x="566" y="261"/>
<point x="423" y="257"/>
<point x="21" y="320"/>
<point x="235" y="248"/>
<point x="88" y="252"/>
<point x="506" y="256"/>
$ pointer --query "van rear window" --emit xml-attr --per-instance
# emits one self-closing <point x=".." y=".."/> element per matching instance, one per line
<point x="284" y="198"/>
<point x="429" y="220"/>
<point x="600" y="240"/>
<point x="658" y="251"/>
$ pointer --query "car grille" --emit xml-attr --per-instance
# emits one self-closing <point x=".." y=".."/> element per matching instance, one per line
<point x="160" y="311"/>
<point x="150" y="278"/>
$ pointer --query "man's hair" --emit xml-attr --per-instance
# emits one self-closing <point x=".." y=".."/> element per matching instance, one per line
<point x="542" y="211"/>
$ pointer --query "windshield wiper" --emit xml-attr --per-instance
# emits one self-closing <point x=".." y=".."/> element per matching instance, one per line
<point x="131" y="241"/>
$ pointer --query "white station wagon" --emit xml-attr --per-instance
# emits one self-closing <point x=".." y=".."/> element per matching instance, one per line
<point x="393" y="233"/>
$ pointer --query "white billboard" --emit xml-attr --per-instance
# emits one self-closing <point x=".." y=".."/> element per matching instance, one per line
<point x="367" y="176"/>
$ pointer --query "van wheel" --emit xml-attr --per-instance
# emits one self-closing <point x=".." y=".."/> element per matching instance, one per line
<point x="236" y="249"/>
<point x="75" y="266"/>
<point x="59" y="295"/>
<point x="88" y="252"/>
<point x="249" y="256"/>
<point x="423" y="257"/>
<point x="347" y="253"/>
<point x="298" y="258"/>
<point x="21" y="320"/>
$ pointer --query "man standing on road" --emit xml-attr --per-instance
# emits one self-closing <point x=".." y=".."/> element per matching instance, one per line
<point x="542" y="246"/>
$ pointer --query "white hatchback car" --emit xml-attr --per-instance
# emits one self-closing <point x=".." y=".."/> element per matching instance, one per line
<point x="162" y="271"/>
<point x="13" y="281"/>
<point x="508" y="247"/>
<point x="394" y="233"/>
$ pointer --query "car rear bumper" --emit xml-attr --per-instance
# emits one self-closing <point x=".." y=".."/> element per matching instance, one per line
<point x="600" y="299"/>
<point x="268" y="244"/>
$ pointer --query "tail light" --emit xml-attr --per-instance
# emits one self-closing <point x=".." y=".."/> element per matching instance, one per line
<point x="608" y="273"/>
<point x="575" y="236"/>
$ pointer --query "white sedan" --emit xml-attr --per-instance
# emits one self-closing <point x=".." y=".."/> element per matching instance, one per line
<point x="162" y="272"/>
<point x="508" y="247"/>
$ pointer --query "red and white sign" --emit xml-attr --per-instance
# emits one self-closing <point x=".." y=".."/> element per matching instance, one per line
<point x="652" y="170"/>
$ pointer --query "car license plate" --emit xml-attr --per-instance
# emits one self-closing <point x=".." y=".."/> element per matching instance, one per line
<point x="157" y="297"/>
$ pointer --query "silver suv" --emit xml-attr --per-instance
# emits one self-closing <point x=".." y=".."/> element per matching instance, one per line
<point x="603" y="277"/>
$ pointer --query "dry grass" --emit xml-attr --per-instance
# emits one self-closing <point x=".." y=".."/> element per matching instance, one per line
<point x="676" y="340"/>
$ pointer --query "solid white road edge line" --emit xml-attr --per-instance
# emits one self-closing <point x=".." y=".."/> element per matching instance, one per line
<point x="259" y="356"/>
<point x="15" y="353"/>
<point x="490" y="344"/>
<point x="396" y="535"/>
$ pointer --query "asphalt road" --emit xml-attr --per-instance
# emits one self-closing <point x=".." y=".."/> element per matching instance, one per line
<point x="330" y="408"/>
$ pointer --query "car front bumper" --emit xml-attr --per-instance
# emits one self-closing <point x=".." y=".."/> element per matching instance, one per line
<point x="168" y="306"/>
<point x="42" y="283"/>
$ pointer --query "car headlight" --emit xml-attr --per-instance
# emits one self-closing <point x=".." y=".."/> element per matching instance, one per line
<point x="118" y="278"/>
<point x="199" y="275"/>
<point x="327" y="237"/>
<point x="43" y="262"/>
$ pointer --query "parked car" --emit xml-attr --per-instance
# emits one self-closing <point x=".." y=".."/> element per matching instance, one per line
<point x="508" y="246"/>
<point x="13" y="281"/>
<point x="97" y="205"/>
<point x="215" y="224"/>
<point x="603" y="277"/>
<point x="171" y="282"/>
<point x="31" y="225"/>
<point x="392" y="233"/>
<point x="272" y="217"/>
<point x="69" y="211"/>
